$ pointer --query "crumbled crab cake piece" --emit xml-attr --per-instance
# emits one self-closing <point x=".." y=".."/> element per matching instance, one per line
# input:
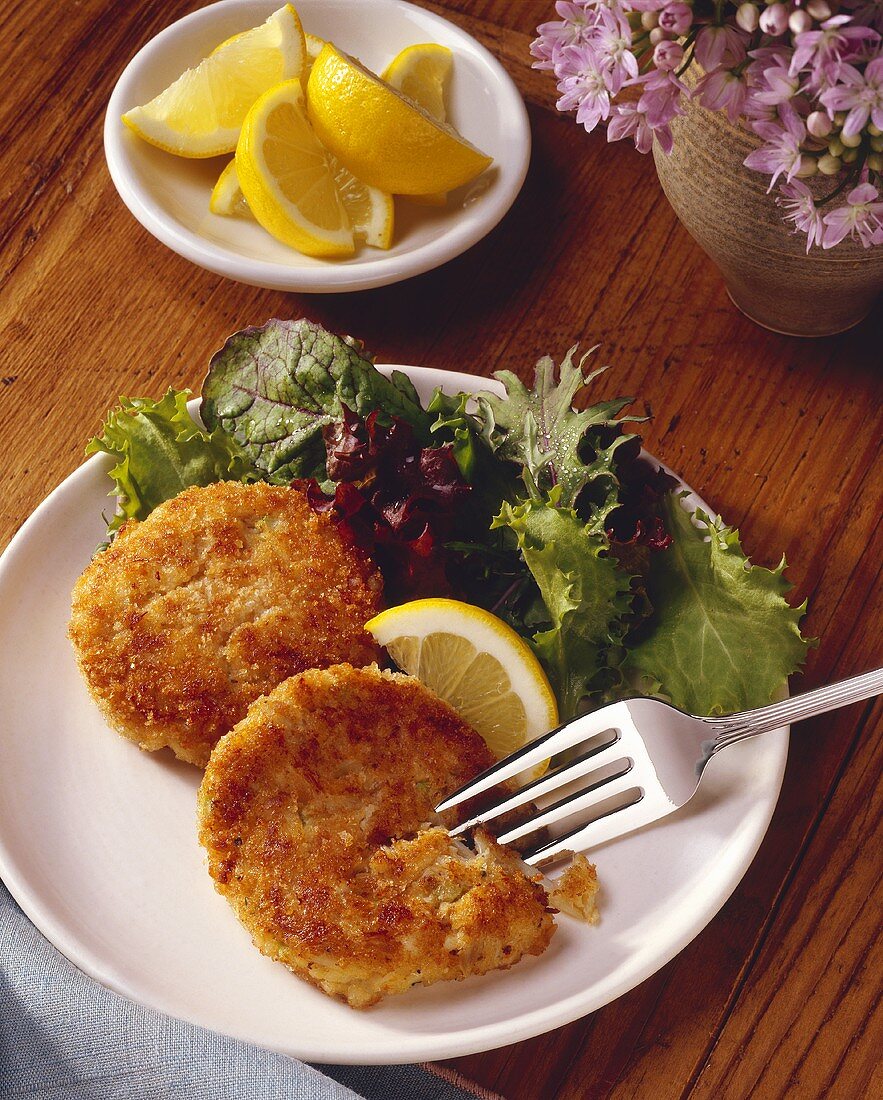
<point x="317" y="815"/>
<point x="576" y="892"/>
<point x="212" y="600"/>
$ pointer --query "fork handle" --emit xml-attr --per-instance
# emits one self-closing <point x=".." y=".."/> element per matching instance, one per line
<point x="749" y="723"/>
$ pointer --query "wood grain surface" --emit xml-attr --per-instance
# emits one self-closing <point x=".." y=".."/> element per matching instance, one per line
<point x="780" y="995"/>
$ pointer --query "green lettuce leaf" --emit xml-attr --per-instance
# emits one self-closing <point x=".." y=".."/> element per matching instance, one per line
<point x="557" y="445"/>
<point x="455" y="425"/>
<point x="275" y="387"/>
<point x="722" y="637"/>
<point x="493" y="481"/>
<point x="586" y="596"/>
<point x="161" y="450"/>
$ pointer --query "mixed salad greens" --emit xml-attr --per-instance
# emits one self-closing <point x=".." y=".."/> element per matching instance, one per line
<point x="545" y="514"/>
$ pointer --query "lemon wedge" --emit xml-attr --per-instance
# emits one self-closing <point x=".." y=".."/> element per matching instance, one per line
<point x="383" y="137"/>
<point x="314" y="48"/>
<point x="421" y="73"/>
<point x="475" y="662"/>
<point x="286" y="177"/>
<point x="227" y="197"/>
<point x="201" y="114"/>
<point x="371" y="212"/>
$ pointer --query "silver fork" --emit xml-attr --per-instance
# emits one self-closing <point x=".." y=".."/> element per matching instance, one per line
<point x="656" y="754"/>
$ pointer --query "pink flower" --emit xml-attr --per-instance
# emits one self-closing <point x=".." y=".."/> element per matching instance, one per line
<point x="722" y="90"/>
<point x="676" y="18"/>
<point x="668" y="55"/>
<point x="862" y="216"/>
<point x="585" y="87"/>
<point x="720" y="46"/>
<point x="611" y="39"/>
<point x="779" y="85"/>
<point x="661" y="98"/>
<point x="780" y="153"/>
<point x="802" y="211"/>
<point x="861" y="94"/>
<point x="629" y="121"/>
<point x="571" y="29"/>
<point x="825" y="50"/>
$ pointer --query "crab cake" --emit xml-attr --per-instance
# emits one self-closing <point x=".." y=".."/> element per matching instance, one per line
<point x="317" y="815"/>
<point x="220" y="594"/>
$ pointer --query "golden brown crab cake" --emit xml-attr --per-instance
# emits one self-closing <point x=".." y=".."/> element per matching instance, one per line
<point x="220" y="594"/>
<point x="317" y="815"/>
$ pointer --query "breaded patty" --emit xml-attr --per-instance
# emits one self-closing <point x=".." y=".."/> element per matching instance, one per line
<point x="317" y="815"/>
<point x="220" y="594"/>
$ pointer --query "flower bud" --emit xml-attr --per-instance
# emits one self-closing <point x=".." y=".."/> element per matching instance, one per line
<point x="649" y="19"/>
<point x="808" y="167"/>
<point x="799" y="21"/>
<point x="819" y="9"/>
<point x="830" y="166"/>
<point x="835" y="147"/>
<point x="657" y="35"/>
<point x="877" y="144"/>
<point x="873" y="130"/>
<point x="676" y="18"/>
<point x="839" y="118"/>
<point x="850" y="156"/>
<point x="851" y="141"/>
<point x="668" y="55"/>
<point x="747" y="17"/>
<point x="875" y="162"/>
<point x="819" y="124"/>
<point x="774" y="20"/>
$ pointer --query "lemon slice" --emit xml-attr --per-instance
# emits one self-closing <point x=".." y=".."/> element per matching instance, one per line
<point x="422" y="72"/>
<point x="200" y="115"/>
<point x="227" y="197"/>
<point x="371" y="212"/>
<point x="286" y="178"/>
<point x="475" y="662"/>
<point x="383" y="137"/>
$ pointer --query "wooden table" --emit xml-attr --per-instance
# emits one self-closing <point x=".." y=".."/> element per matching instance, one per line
<point x="779" y="995"/>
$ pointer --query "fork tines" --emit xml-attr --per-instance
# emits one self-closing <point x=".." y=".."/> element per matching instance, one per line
<point x="609" y="749"/>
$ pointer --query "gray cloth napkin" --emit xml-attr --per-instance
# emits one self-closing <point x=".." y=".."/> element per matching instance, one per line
<point x="65" y="1037"/>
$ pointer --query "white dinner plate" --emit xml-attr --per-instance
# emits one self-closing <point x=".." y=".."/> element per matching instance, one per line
<point x="169" y="195"/>
<point x="98" y="846"/>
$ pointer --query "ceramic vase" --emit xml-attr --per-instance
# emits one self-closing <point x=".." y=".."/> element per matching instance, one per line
<point x="767" y="270"/>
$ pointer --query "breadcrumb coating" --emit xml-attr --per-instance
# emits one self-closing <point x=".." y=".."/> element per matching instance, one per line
<point x="214" y="599"/>
<point x="575" y="893"/>
<point x="317" y="815"/>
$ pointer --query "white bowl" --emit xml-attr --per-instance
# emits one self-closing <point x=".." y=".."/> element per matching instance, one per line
<point x="169" y="195"/>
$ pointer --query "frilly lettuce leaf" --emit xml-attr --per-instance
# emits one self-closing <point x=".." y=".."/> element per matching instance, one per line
<point x="274" y="388"/>
<point x="722" y="637"/>
<point x="585" y="593"/>
<point x="161" y="450"/>
<point x="492" y="481"/>
<point x="554" y="442"/>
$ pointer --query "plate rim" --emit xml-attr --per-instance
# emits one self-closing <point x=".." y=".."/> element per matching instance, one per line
<point x="420" y="1047"/>
<point x="328" y="279"/>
